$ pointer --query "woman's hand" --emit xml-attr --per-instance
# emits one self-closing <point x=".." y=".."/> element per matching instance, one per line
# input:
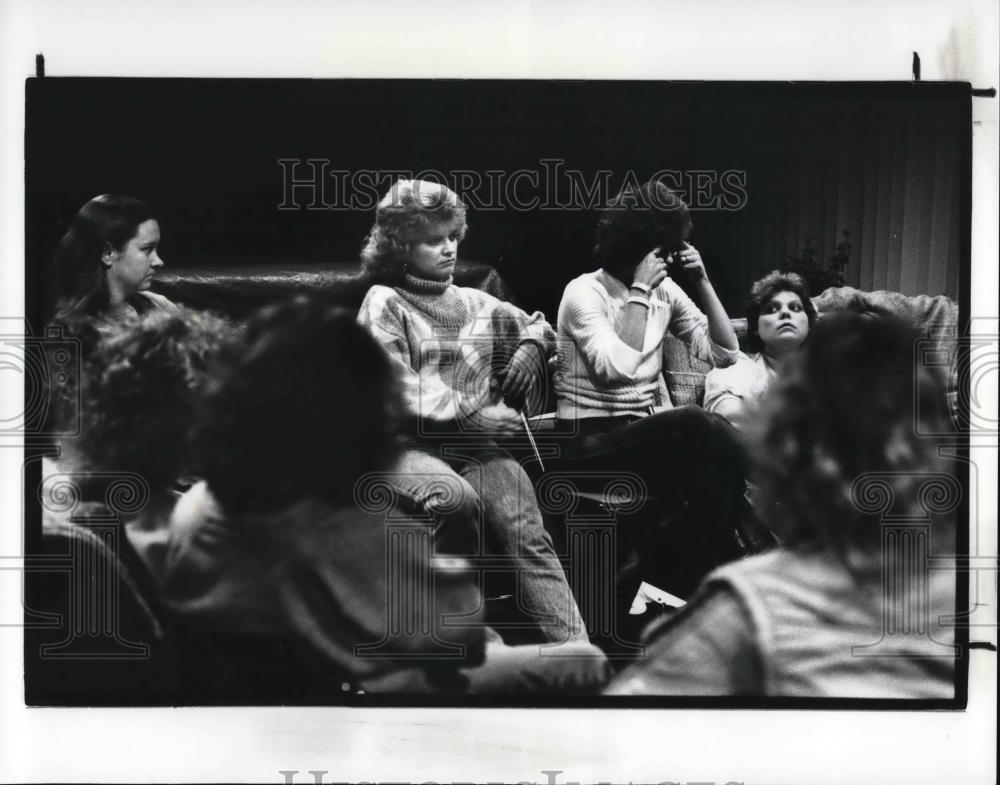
<point x="720" y="329"/>
<point x="525" y="369"/>
<point x="497" y="418"/>
<point x="690" y="260"/>
<point x="651" y="270"/>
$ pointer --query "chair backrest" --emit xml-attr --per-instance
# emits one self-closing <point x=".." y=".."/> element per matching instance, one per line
<point x="92" y="635"/>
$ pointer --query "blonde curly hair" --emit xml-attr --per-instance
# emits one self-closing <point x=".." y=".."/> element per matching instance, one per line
<point x="404" y="215"/>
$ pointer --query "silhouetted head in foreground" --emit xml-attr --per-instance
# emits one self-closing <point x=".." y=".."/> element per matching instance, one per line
<point x="301" y="407"/>
<point x="848" y="435"/>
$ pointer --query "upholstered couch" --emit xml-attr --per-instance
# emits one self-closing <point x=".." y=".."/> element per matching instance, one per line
<point x="937" y="316"/>
<point x="238" y="291"/>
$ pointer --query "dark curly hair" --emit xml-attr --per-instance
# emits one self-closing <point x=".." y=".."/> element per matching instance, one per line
<point x="80" y="278"/>
<point x="855" y="402"/>
<point x="404" y="215"/>
<point x="140" y="392"/>
<point x="761" y="294"/>
<point x="301" y="407"/>
<point x="638" y="220"/>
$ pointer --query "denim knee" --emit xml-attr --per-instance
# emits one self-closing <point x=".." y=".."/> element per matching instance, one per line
<point x="456" y="508"/>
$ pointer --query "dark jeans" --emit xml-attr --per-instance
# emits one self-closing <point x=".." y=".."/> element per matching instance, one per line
<point x="693" y="466"/>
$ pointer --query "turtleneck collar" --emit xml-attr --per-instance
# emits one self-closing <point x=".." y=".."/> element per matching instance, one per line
<point x="425" y="285"/>
<point x="438" y="300"/>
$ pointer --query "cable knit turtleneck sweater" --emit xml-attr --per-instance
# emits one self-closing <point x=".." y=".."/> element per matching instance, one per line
<point x="447" y="341"/>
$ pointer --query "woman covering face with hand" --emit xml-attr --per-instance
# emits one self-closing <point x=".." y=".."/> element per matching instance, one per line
<point x="611" y="390"/>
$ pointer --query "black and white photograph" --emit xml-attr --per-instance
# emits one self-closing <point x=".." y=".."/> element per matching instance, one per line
<point x="417" y="407"/>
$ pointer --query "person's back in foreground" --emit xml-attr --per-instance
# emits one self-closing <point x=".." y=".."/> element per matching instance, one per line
<point x="849" y="478"/>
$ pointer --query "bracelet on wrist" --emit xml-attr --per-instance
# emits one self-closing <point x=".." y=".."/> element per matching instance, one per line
<point x="643" y="301"/>
<point x="642" y="287"/>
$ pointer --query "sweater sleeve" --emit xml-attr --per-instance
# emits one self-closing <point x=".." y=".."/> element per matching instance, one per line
<point x="535" y="328"/>
<point x="717" y="391"/>
<point x="426" y="395"/>
<point x="512" y="325"/>
<point x="583" y="314"/>
<point x="738" y="382"/>
<point x="689" y="324"/>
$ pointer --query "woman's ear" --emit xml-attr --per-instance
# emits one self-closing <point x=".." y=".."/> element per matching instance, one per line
<point x="107" y="255"/>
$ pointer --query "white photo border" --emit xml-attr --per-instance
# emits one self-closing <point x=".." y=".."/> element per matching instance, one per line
<point x="518" y="39"/>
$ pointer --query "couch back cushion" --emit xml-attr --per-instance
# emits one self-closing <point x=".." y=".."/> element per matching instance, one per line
<point x="937" y="315"/>
<point x="684" y="374"/>
<point x="237" y="291"/>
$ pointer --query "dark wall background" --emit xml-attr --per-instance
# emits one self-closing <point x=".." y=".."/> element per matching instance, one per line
<point x="888" y="163"/>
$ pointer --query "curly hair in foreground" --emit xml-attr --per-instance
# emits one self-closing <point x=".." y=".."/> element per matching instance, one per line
<point x="856" y="402"/>
<point x="301" y="407"/>
<point x="638" y="220"/>
<point x="140" y="392"/>
<point x="761" y="294"/>
<point x="405" y="214"/>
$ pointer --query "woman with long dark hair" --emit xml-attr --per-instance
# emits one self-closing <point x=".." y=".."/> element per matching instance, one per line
<point x="106" y="261"/>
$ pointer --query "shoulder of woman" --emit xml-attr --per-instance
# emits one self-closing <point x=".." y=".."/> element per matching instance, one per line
<point x="584" y="287"/>
<point x="745" y="363"/>
<point x="379" y="297"/>
<point x="478" y="296"/>
<point x="669" y="289"/>
<point x="481" y="304"/>
<point x="159" y="301"/>
<point x="379" y="290"/>
<point x="587" y="281"/>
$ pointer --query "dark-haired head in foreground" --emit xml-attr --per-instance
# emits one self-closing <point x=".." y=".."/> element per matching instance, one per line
<point x="847" y="607"/>
<point x="856" y="403"/>
<point x="301" y="407"/>
<point x="140" y="391"/>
